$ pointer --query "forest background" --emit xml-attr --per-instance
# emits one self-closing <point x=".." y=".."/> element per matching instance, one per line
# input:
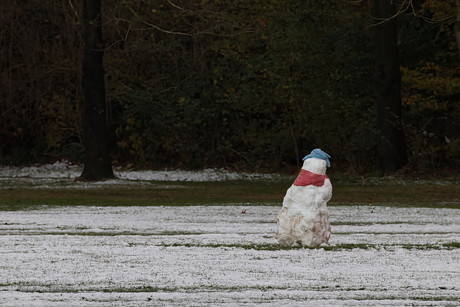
<point x="247" y="85"/>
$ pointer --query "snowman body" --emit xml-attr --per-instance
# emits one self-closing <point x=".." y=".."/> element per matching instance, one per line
<point x="304" y="218"/>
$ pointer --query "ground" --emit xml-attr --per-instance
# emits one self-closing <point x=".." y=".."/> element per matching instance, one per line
<point x="142" y="242"/>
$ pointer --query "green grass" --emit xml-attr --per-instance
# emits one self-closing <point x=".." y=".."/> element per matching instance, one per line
<point x="380" y="292"/>
<point x="340" y="247"/>
<point x="417" y="196"/>
<point x="221" y="193"/>
<point x="189" y="193"/>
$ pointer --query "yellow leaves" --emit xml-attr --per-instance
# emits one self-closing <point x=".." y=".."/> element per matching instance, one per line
<point x="181" y="101"/>
<point x="130" y="139"/>
<point x="453" y="147"/>
<point x="426" y="85"/>
<point x="431" y="66"/>
<point x="453" y="86"/>
<point x="131" y="124"/>
<point x="411" y="99"/>
<point x="130" y="121"/>
<point x="439" y="9"/>
<point x="122" y="144"/>
<point x="137" y="145"/>
<point x="136" y="140"/>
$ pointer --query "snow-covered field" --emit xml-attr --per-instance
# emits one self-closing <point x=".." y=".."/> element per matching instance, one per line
<point x="217" y="255"/>
<point x="224" y="256"/>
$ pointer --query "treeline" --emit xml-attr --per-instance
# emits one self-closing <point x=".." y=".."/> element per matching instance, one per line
<point x="253" y="84"/>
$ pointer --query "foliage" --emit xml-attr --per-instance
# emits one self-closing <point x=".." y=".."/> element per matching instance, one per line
<point x="431" y="86"/>
<point x="257" y="99"/>
<point x="40" y="52"/>
<point x="253" y="84"/>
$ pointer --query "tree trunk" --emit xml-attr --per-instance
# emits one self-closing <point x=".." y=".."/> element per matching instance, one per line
<point x="97" y="158"/>
<point x="457" y="25"/>
<point x="391" y="146"/>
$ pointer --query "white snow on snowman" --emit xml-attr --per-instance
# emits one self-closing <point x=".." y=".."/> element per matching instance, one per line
<point x="304" y="218"/>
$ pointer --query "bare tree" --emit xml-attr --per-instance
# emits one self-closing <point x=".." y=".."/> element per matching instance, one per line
<point x="392" y="153"/>
<point x="457" y="25"/>
<point x="97" y="158"/>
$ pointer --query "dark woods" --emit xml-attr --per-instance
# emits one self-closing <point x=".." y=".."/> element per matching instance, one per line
<point x="252" y="84"/>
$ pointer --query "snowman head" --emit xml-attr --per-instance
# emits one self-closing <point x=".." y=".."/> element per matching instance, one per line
<point x="318" y="154"/>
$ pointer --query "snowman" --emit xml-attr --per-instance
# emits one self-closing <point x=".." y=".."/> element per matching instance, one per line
<point x="304" y="218"/>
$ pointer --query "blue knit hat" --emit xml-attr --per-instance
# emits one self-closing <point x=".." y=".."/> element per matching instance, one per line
<point x="319" y="154"/>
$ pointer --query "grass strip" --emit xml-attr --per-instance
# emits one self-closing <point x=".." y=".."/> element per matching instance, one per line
<point x="221" y="193"/>
<point x="339" y="247"/>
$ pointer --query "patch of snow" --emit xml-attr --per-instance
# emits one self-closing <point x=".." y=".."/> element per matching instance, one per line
<point x="164" y="256"/>
<point x="66" y="170"/>
<point x="204" y="175"/>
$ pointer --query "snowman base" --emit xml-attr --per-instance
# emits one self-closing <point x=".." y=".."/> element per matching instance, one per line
<point x="309" y="228"/>
<point x="304" y="218"/>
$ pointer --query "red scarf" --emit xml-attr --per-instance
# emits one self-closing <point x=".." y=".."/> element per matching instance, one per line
<point x="307" y="178"/>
